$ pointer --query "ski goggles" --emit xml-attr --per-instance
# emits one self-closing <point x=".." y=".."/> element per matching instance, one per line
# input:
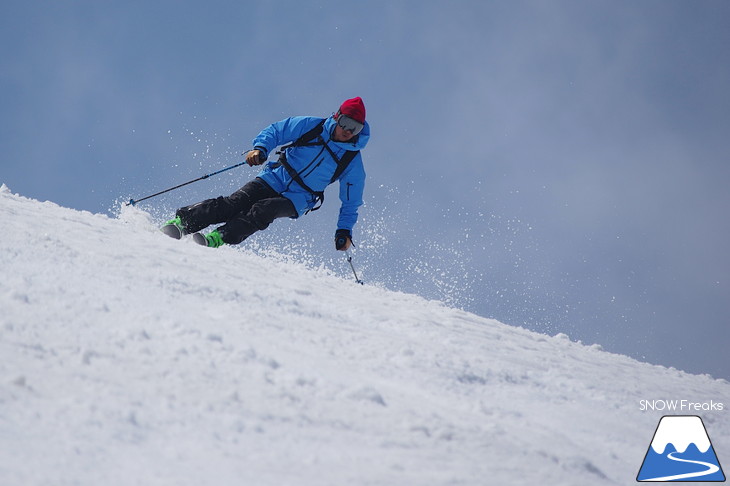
<point x="347" y="123"/>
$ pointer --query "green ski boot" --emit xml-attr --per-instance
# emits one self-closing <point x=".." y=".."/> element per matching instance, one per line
<point x="174" y="228"/>
<point x="211" y="240"/>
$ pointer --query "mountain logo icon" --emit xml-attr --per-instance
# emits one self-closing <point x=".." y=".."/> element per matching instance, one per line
<point x="681" y="451"/>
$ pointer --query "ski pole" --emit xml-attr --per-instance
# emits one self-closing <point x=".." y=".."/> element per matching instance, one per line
<point x="132" y="202"/>
<point x="349" y="260"/>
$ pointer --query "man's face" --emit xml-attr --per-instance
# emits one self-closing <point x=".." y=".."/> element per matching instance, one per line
<point x="342" y="135"/>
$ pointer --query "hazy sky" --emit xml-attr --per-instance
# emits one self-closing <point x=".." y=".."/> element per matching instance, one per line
<point x="557" y="165"/>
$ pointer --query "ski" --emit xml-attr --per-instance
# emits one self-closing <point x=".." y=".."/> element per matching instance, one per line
<point x="172" y="230"/>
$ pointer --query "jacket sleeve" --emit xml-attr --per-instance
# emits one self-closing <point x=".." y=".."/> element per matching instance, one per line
<point x="352" y="185"/>
<point x="283" y="132"/>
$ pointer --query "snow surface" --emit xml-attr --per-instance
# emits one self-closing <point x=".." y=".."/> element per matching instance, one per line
<point x="130" y="358"/>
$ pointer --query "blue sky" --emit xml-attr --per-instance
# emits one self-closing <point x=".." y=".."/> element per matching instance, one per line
<point x="561" y="166"/>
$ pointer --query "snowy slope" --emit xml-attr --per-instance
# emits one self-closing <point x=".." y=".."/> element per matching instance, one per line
<point x="131" y="358"/>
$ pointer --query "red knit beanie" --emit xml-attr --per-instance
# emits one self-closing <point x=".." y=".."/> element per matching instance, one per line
<point x="354" y="108"/>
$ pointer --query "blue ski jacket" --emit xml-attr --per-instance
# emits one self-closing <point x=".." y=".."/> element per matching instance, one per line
<point x="315" y="165"/>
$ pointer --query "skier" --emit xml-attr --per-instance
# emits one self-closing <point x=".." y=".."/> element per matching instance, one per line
<point x="317" y="152"/>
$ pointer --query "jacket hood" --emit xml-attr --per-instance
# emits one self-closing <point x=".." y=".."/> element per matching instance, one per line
<point x="357" y="143"/>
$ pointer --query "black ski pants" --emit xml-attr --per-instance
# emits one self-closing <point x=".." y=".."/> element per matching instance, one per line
<point x="250" y="209"/>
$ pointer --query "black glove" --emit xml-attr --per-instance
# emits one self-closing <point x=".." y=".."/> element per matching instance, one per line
<point x="343" y="239"/>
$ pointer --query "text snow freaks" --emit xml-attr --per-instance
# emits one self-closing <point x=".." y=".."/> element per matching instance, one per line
<point x="680" y="406"/>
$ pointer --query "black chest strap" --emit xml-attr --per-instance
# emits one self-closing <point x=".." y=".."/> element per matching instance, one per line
<point x="310" y="139"/>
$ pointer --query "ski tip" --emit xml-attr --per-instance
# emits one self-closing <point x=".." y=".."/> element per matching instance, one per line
<point x="199" y="238"/>
<point x="172" y="231"/>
